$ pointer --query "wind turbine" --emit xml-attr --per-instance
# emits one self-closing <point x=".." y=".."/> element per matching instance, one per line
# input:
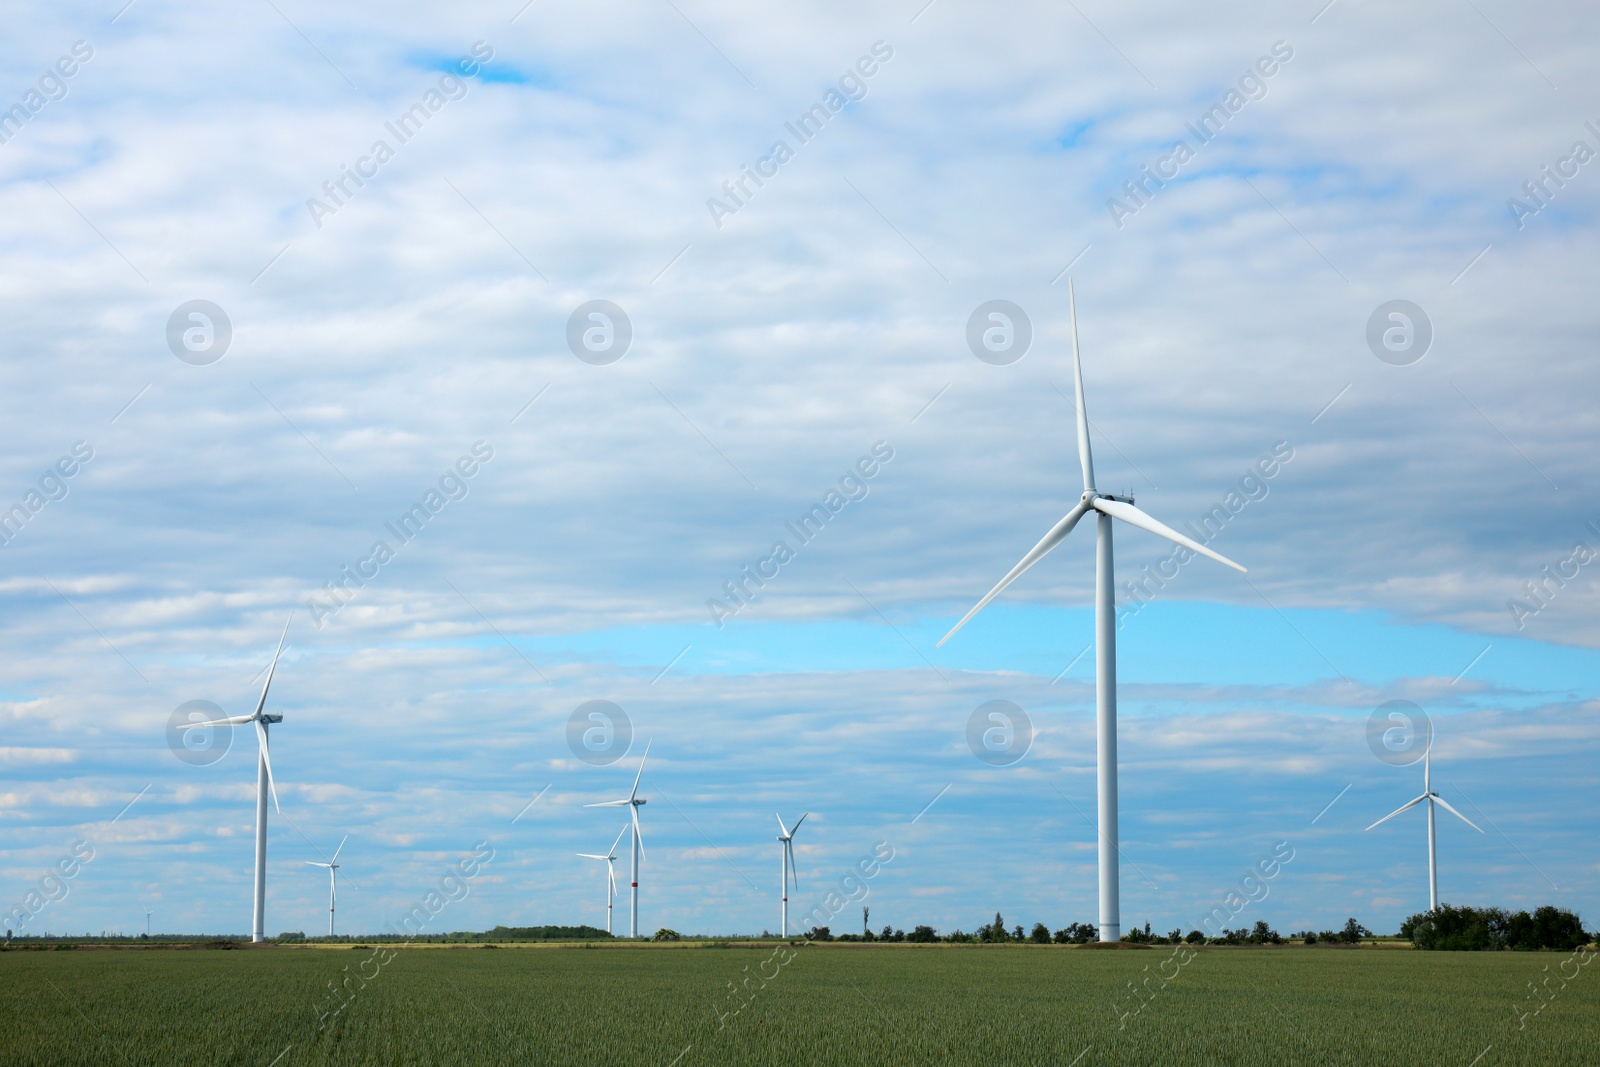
<point x="332" y="866"/>
<point x="1432" y="798"/>
<point x="611" y="870"/>
<point x="786" y="836"/>
<point x="633" y="803"/>
<point x="147" y="914"/>
<point x="1105" y="507"/>
<point x="264" y="784"/>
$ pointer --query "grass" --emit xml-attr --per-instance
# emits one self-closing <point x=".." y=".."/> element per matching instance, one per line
<point x="863" y="1004"/>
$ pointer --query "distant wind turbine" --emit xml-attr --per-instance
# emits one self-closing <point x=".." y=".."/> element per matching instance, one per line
<point x="147" y="914"/>
<point x="264" y="784"/>
<point x="611" y="871"/>
<point x="633" y="803"/>
<point x="1106" y="507"/>
<point x="332" y="866"/>
<point x="1432" y="798"/>
<point x="786" y="837"/>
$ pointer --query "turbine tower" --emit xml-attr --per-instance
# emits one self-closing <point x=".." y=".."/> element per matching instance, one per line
<point x="1432" y="798"/>
<point x="786" y="837"/>
<point x="611" y="871"/>
<point x="264" y="785"/>
<point x="633" y="803"/>
<point x="1105" y="507"/>
<point x="332" y="866"/>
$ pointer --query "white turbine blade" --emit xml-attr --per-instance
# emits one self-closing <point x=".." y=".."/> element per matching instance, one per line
<point x="611" y="876"/>
<point x="612" y="852"/>
<point x="590" y="856"/>
<point x="782" y="829"/>
<point x="641" y="769"/>
<point x="609" y="804"/>
<point x="333" y="891"/>
<point x="314" y="863"/>
<point x="1397" y="811"/>
<point x="1446" y="806"/>
<point x="638" y="834"/>
<point x="1058" y="533"/>
<point x="1084" y="459"/>
<point x="797" y="823"/>
<point x="232" y="720"/>
<point x="793" y="872"/>
<point x="268" y="683"/>
<point x="1134" y="517"/>
<point x="272" y="785"/>
<point x="339" y="849"/>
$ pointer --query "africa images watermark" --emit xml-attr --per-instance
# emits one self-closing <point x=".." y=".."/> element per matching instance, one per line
<point x="338" y="189"/>
<point x="1542" y="188"/>
<point x="452" y="486"/>
<point x="52" y="485"/>
<point x="852" y="888"/>
<point x="1251" y="487"/>
<point x="1553" y="577"/>
<point x="454" y="885"/>
<point x="52" y="86"/>
<point x="1252" y="85"/>
<point x="852" y="486"/>
<point x="852" y="88"/>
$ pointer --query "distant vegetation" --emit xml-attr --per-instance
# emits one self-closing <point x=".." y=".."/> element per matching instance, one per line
<point x="1465" y="929"/>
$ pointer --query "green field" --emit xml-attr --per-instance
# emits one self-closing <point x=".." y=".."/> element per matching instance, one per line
<point x="865" y="1004"/>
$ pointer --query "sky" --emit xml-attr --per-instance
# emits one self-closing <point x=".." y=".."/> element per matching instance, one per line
<point x="798" y="219"/>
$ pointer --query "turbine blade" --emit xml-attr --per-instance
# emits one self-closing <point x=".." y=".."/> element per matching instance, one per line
<point x="782" y="829"/>
<point x="1134" y="517"/>
<point x="232" y="720"/>
<point x="1446" y="806"/>
<point x="638" y="834"/>
<point x="272" y="785"/>
<point x="1058" y="533"/>
<point x="590" y="856"/>
<point x="609" y="804"/>
<point x="314" y="863"/>
<point x="797" y="823"/>
<point x="640" y="775"/>
<point x="1397" y="811"/>
<point x="611" y="876"/>
<point x="793" y="872"/>
<point x="1085" y="460"/>
<point x="339" y="849"/>
<point x="268" y="683"/>
<point x="612" y="852"/>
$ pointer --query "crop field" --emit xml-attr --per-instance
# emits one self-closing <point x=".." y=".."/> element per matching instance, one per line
<point x="817" y="1003"/>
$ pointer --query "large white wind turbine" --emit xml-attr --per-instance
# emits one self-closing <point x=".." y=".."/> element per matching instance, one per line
<point x="332" y="866"/>
<point x="264" y="785"/>
<point x="1106" y="507"/>
<point x="1432" y="798"/>
<point x="786" y="838"/>
<point x="611" y="870"/>
<point x="633" y="803"/>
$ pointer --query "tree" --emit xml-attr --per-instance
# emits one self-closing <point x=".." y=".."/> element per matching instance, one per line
<point x="821" y="933"/>
<point x="995" y="931"/>
<point x="1016" y="933"/>
<point x="888" y="935"/>
<point x="1076" y="934"/>
<point x="866" y="928"/>
<point x="1353" y="932"/>
<point x="923" y="935"/>
<point x="1194" y="937"/>
<point x="1466" y="929"/>
<point x="666" y="934"/>
<point x="1040" y="934"/>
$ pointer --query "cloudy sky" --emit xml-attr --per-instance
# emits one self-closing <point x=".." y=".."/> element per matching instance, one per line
<point x="379" y="320"/>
